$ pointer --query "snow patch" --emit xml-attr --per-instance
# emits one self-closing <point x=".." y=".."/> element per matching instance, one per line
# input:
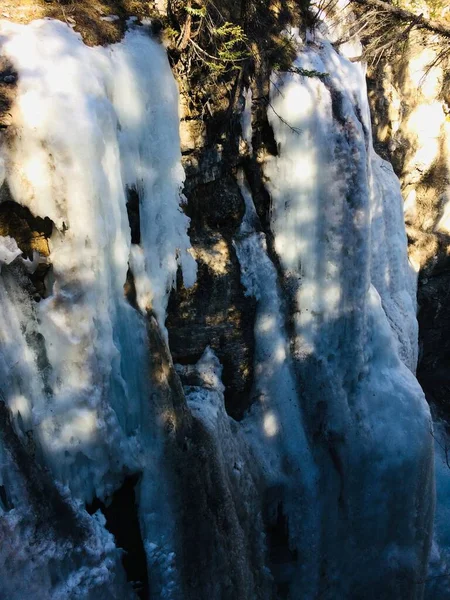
<point x="9" y="250"/>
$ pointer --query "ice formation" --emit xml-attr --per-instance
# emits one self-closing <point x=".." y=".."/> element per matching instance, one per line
<point x="338" y="440"/>
<point x="339" y="234"/>
<point x="9" y="250"/>
<point x="92" y="124"/>
<point x="274" y="427"/>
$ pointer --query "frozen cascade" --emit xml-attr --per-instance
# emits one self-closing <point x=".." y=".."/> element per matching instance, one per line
<point x="325" y="488"/>
<point x="274" y="426"/>
<point x="92" y="124"/>
<point x="339" y="234"/>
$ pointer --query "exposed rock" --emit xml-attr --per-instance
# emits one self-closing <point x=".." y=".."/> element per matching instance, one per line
<point x="192" y="134"/>
<point x="434" y="320"/>
<point x="32" y="235"/>
<point x="8" y="78"/>
<point x="216" y="313"/>
<point x="85" y="16"/>
<point x="409" y="107"/>
<point x="211" y="503"/>
<point x="412" y="132"/>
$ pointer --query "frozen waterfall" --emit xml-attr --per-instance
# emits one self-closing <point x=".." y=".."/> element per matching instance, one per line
<point x="325" y="489"/>
<point x="93" y="125"/>
<point x="339" y="233"/>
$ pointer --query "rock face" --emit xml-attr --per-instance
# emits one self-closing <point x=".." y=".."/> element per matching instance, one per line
<point x="215" y="311"/>
<point x="410" y="104"/>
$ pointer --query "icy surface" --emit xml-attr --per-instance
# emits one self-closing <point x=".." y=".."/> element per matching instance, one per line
<point x="84" y="406"/>
<point x="9" y="250"/>
<point x="338" y="439"/>
<point x="88" y="572"/>
<point x="275" y="427"/>
<point x="336" y="218"/>
<point x="246" y="118"/>
<point x="92" y="123"/>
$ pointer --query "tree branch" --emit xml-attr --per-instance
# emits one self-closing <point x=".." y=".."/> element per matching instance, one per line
<point x="418" y="21"/>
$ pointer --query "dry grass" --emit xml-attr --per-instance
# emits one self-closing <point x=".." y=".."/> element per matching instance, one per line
<point x="85" y="16"/>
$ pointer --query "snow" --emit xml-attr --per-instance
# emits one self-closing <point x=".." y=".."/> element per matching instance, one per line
<point x="85" y="571"/>
<point x="110" y="18"/>
<point x="206" y="402"/>
<point x="9" y="250"/>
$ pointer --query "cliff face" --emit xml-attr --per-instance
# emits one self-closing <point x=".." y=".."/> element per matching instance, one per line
<point x="209" y="339"/>
<point x="410" y="102"/>
<point x="410" y="107"/>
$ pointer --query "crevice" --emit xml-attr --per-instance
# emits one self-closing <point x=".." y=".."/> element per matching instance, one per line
<point x="129" y="289"/>
<point x="5" y="502"/>
<point x="283" y="560"/>
<point x="337" y="103"/>
<point x="134" y="216"/>
<point x="122" y="520"/>
<point x="268" y="137"/>
<point x="216" y="312"/>
<point x="36" y="342"/>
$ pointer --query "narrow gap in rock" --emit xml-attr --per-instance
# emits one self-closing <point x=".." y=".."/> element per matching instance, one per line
<point x="268" y="138"/>
<point x="4" y="501"/>
<point x="283" y="560"/>
<point x="134" y="217"/>
<point x="122" y="520"/>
